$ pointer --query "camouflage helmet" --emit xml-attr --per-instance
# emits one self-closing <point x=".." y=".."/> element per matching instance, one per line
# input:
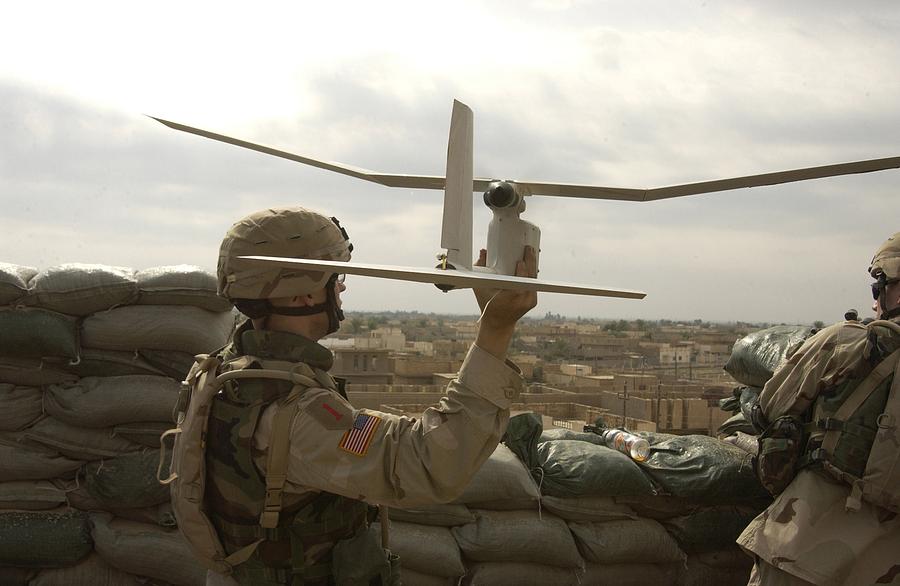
<point x="290" y="232"/>
<point x="887" y="259"/>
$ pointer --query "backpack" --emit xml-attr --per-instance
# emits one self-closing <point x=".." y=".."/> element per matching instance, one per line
<point x="833" y="438"/>
<point x="187" y="477"/>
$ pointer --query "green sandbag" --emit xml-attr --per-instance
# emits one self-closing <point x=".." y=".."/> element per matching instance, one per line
<point x="574" y="468"/>
<point x="711" y="528"/>
<point x="37" y="333"/>
<point x="734" y="424"/>
<point x="756" y="356"/>
<point x="49" y="539"/>
<point x="567" y="434"/>
<point x="127" y="481"/>
<point x="702" y="468"/>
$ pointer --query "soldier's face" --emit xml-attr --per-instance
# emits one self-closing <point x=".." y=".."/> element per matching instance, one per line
<point x="891" y="297"/>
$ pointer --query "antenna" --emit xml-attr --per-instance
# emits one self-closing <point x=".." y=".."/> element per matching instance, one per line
<point x="456" y="225"/>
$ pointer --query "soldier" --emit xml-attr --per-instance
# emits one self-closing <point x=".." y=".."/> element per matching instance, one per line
<point x="831" y="451"/>
<point x="290" y="464"/>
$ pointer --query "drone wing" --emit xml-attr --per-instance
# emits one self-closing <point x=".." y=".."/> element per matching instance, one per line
<point x="456" y="224"/>
<point x="624" y="194"/>
<point x="460" y="279"/>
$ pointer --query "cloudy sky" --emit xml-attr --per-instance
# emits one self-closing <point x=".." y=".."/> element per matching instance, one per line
<point x="623" y="94"/>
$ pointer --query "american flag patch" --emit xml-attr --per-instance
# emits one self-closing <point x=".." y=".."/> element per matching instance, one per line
<point x="357" y="439"/>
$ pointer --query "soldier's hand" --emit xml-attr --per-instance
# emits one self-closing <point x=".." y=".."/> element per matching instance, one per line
<point x="502" y="309"/>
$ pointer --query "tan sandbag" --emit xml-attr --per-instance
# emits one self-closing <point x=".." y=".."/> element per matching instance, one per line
<point x="414" y="578"/>
<point x="145" y="550"/>
<point x="520" y="574"/>
<point x="31" y="495"/>
<point x="14" y="282"/>
<point x="180" y="285"/>
<point x="587" y="508"/>
<point x="633" y="574"/>
<point x="38" y="333"/>
<point x="43" y="539"/>
<point x="440" y="515"/>
<point x="25" y="461"/>
<point x="79" y="443"/>
<point x="425" y="548"/>
<point x="81" y="289"/>
<point x="502" y="483"/>
<point x="157" y="327"/>
<point x="31" y="372"/>
<point x="19" y="406"/>
<point x="628" y="541"/>
<point x="518" y="536"/>
<point x="96" y="362"/>
<point x="91" y="571"/>
<point x="110" y="401"/>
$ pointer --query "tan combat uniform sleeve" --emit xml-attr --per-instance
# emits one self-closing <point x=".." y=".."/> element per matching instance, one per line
<point x="396" y="460"/>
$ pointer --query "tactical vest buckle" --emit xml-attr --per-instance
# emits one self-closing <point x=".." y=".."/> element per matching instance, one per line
<point x="829" y="424"/>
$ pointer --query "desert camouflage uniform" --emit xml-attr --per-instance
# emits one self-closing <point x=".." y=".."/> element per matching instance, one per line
<point x="807" y="535"/>
<point x="398" y="461"/>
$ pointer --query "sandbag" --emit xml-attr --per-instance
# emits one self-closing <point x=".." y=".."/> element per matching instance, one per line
<point x="734" y="424"/>
<point x="145" y="433"/>
<point x="519" y="574"/>
<point x="80" y="498"/>
<point x="81" y="289"/>
<point x="91" y="571"/>
<point x="31" y="495"/>
<point x="158" y="327"/>
<point x="567" y="434"/>
<point x="587" y="508"/>
<point x="659" y="506"/>
<point x="756" y="356"/>
<point x="731" y="556"/>
<point x="413" y="578"/>
<point x="703" y="468"/>
<point x="31" y="372"/>
<point x="95" y="362"/>
<point x="180" y="285"/>
<point x="696" y="573"/>
<point x="423" y="548"/>
<point x="14" y="282"/>
<point x="503" y="483"/>
<point x="10" y="576"/>
<point x="573" y="468"/>
<point x="109" y="401"/>
<point x="518" y="536"/>
<point x="632" y="574"/>
<point x="449" y="515"/>
<point x="172" y="363"/>
<point x="127" y="481"/>
<point x="78" y="443"/>
<point x="625" y="541"/>
<point x="23" y="461"/>
<point x="46" y="539"/>
<point x="146" y="550"/>
<point x="19" y="406"/>
<point x="711" y="528"/>
<point x="37" y="333"/>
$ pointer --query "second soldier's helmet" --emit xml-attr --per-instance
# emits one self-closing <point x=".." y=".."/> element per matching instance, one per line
<point x="293" y="232"/>
<point x="887" y="259"/>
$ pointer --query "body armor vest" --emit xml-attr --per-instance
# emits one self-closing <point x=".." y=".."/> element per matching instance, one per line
<point x="298" y="550"/>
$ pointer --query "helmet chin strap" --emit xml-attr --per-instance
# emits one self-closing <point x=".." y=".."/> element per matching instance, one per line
<point x="330" y="306"/>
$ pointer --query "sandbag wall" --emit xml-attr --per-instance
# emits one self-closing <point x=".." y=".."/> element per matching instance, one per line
<point x="91" y="359"/>
<point x="586" y="514"/>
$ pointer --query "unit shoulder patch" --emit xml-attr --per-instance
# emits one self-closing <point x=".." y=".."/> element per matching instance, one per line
<point x="330" y="411"/>
<point x="356" y="440"/>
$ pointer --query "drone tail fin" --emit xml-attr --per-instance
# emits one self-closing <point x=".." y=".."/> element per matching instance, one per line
<point x="456" y="226"/>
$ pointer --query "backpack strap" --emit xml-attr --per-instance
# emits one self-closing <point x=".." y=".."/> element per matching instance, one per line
<point x="277" y="457"/>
